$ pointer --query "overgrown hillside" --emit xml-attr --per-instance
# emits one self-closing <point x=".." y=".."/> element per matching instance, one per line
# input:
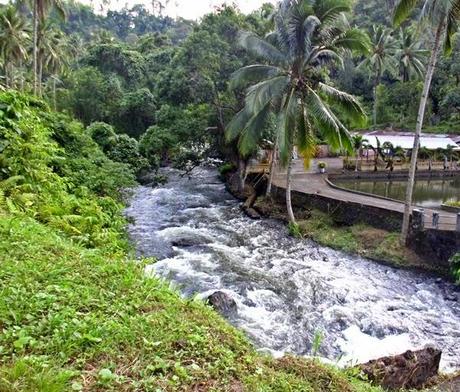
<point x="77" y="313"/>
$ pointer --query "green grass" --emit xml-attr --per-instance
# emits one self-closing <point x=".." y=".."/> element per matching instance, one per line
<point x="359" y="239"/>
<point x="74" y="318"/>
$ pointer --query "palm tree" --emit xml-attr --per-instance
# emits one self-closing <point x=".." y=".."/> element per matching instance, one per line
<point x="411" y="57"/>
<point x="358" y="144"/>
<point x="450" y="153"/>
<point x="380" y="59"/>
<point x="309" y="37"/>
<point x="379" y="153"/>
<point x="14" y="37"/>
<point x="39" y="10"/>
<point x="425" y="153"/>
<point x="444" y="17"/>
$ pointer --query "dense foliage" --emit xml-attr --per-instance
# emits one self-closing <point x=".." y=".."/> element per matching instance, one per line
<point x="76" y="314"/>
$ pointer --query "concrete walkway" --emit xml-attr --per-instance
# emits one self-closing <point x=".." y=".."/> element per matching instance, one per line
<point x="311" y="182"/>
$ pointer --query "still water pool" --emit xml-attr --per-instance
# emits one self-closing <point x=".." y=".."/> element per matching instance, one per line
<point x="427" y="192"/>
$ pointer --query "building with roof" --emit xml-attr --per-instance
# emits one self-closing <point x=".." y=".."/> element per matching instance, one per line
<point x="405" y="140"/>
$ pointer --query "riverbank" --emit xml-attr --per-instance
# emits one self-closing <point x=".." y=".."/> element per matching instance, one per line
<point x="90" y="320"/>
<point x="359" y="239"/>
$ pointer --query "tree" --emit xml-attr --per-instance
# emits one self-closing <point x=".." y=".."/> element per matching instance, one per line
<point x="359" y="143"/>
<point x="39" y="10"/>
<point x="14" y="39"/>
<point x="309" y="37"/>
<point x="443" y="17"/>
<point x="410" y="56"/>
<point x="380" y="59"/>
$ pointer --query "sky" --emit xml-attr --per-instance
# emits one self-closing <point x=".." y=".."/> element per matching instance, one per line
<point x="189" y="9"/>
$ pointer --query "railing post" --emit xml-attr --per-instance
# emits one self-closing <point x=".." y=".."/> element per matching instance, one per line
<point x="458" y="221"/>
<point x="418" y="219"/>
<point x="435" y="220"/>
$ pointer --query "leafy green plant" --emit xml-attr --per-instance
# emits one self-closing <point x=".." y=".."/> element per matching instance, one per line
<point x="294" y="230"/>
<point x="226" y="168"/>
<point x="455" y="265"/>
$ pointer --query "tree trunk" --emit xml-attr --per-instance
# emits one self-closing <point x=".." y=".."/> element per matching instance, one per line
<point x="241" y="174"/>
<point x="40" y="74"/>
<point x="374" y="111"/>
<point x="54" y="92"/>
<point x="418" y="130"/>
<point x="272" y="168"/>
<point x="288" y="189"/>
<point x="35" y="47"/>
<point x="357" y="159"/>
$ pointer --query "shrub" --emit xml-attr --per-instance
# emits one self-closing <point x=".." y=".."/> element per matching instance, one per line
<point x="156" y="144"/>
<point x="455" y="265"/>
<point x="228" y="167"/>
<point x="103" y="134"/>
<point x="53" y="172"/>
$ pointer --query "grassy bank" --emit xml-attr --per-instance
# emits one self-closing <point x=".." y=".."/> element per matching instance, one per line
<point x="77" y="313"/>
<point x="74" y="318"/>
<point x="360" y="239"/>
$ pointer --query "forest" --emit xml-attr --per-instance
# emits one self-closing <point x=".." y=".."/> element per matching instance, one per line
<point x="93" y="104"/>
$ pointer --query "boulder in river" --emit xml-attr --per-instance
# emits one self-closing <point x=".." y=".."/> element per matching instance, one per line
<point x="223" y="303"/>
<point x="412" y="369"/>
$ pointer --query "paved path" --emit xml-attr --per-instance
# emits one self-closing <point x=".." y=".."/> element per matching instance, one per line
<point x="307" y="181"/>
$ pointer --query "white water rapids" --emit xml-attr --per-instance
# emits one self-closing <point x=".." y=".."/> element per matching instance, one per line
<point x="287" y="290"/>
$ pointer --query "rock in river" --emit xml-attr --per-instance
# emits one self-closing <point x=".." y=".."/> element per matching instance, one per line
<point x="409" y="370"/>
<point x="223" y="303"/>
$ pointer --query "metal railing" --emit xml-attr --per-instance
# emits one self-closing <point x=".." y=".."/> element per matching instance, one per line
<point x="435" y="220"/>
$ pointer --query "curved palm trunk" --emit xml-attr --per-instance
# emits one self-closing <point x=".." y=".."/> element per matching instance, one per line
<point x="288" y="189"/>
<point x="418" y="131"/>
<point x="357" y="160"/>
<point x="374" y="110"/>
<point x="241" y="174"/>
<point x="35" y="46"/>
<point x="272" y="168"/>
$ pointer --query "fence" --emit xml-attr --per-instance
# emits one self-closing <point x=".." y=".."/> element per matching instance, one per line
<point x="435" y="220"/>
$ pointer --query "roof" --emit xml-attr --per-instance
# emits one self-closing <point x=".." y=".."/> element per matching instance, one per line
<point x="406" y="140"/>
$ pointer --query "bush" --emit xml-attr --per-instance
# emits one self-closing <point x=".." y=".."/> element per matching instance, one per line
<point x="228" y="167"/>
<point x="103" y="134"/>
<point x="53" y="172"/>
<point x="455" y="265"/>
<point x="156" y="144"/>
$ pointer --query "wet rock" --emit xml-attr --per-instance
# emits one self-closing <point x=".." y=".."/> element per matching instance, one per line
<point x="412" y="369"/>
<point x="251" y="213"/>
<point x="223" y="303"/>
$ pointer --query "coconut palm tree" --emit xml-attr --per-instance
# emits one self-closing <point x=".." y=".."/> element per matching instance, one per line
<point x="40" y="8"/>
<point x="359" y="142"/>
<point x="410" y="56"/>
<point x="443" y="17"/>
<point x="14" y="39"/>
<point x="380" y="59"/>
<point x="309" y="37"/>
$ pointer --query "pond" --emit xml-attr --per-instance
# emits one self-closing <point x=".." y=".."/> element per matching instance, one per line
<point x="427" y="192"/>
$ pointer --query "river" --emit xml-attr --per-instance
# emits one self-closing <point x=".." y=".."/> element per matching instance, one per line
<point x="288" y="290"/>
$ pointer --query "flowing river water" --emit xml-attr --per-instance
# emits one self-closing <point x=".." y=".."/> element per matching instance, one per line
<point x="289" y="291"/>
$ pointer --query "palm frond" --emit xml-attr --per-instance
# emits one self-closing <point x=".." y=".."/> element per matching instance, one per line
<point x="236" y="126"/>
<point x="271" y="89"/>
<point x="252" y="74"/>
<point x="251" y="135"/>
<point x="332" y="130"/>
<point x="403" y="10"/>
<point x="347" y="103"/>
<point x="355" y="40"/>
<point x="260" y="47"/>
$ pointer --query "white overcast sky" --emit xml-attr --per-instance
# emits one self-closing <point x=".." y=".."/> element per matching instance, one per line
<point x="189" y="9"/>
